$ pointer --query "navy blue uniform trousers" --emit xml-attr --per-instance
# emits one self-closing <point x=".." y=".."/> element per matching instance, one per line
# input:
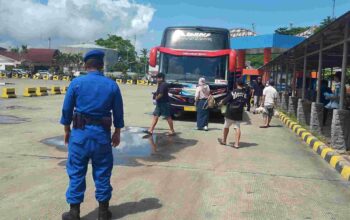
<point x="93" y="143"/>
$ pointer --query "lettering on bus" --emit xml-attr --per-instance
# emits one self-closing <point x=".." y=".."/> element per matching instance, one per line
<point x="195" y="40"/>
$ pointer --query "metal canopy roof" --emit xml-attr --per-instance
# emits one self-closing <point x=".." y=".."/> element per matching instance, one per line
<point x="256" y="44"/>
<point x="333" y="39"/>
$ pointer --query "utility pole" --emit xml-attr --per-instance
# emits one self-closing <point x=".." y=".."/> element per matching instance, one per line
<point x="253" y="27"/>
<point x="49" y="42"/>
<point x="333" y="12"/>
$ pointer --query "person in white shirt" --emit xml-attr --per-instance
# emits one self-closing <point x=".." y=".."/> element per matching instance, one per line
<point x="269" y="100"/>
<point x="201" y="98"/>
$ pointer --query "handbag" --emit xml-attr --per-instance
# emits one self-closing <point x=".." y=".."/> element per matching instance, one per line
<point x="211" y="101"/>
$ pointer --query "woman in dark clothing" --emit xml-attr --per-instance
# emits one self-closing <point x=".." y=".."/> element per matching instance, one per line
<point x="201" y="97"/>
<point x="235" y="101"/>
<point x="325" y="91"/>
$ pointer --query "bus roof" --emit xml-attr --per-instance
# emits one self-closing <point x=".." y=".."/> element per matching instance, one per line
<point x="198" y="27"/>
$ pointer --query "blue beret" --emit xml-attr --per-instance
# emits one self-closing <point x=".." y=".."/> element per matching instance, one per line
<point x="96" y="54"/>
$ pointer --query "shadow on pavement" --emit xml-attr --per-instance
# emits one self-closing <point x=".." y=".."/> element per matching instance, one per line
<point x="276" y="126"/>
<point x="129" y="208"/>
<point x="244" y="144"/>
<point x="215" y="118"/>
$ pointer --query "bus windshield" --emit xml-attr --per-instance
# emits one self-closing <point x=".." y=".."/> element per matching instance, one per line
<point x="181" y="68"/>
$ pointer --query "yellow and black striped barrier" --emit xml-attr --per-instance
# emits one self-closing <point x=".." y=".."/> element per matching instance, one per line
<point x="29" y="92"/>
<point x="64" y="89"/>
<point x="35" y="77"/>
<point x="129" y="82"/>
<point x="8" y="93"/>
<point x="15" y="76"/>
<point x="55" y="90"/>
<point x="119" y="81"/>
<point x="41" y="91"/>
<point x="56" y="77"/>
<point x="46" y="77"/>
<point x="25" y="76"/>
<point x="142" y="82"/>
<point x="327" y="153"/>
<point x="66" y="78"/>
<point x="2" y="75"/>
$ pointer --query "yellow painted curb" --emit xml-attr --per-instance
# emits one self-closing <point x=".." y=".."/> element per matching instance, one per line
<point x="334" y="160"/>
<point x="345" y="172"/>
<point x="317" y="144"/>
<point x="309" y="139"/>
<point x="304" y="134"/>
<point x="325" y="151"/>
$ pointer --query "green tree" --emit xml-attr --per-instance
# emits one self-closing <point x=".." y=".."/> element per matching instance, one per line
<point x="124" y="47"/>
<point x="15" y="49"/>
<point x="291" y="31"/>
<point x="325" y="22"/>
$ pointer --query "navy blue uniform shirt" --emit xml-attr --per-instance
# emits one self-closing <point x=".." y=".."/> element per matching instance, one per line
<point x="94" y="95"/>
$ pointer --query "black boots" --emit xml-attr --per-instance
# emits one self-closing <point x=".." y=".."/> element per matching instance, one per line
<point x="73" y="214"/>
<point x="103" y="212"/>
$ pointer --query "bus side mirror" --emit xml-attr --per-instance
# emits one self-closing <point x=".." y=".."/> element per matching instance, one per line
<point x="153" y="57"/>
<point x="232" y="61"/>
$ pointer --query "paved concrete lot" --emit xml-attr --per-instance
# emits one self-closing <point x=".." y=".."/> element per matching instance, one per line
<point x="190" y="176"/>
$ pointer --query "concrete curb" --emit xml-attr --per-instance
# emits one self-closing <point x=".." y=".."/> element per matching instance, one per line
<point x="327" y="153"/>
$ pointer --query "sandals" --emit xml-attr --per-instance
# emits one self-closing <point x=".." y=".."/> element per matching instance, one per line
<point x="221" y="142"/>
<point x="147" y="132"/>
<point x="170" y="134"/>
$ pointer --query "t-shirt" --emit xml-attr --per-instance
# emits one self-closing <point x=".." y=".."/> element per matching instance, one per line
<point x="258" y="89"/>
<point x="163" y="88"/>
<point x="270" y="94"/>
<point x="235" y="101"/>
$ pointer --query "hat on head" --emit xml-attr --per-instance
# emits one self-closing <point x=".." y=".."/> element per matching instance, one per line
<point x="201" y="81"/>
<point x="96" y="54"/>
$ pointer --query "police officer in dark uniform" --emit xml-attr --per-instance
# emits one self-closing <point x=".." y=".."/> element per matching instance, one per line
<point x="88" y="104"/>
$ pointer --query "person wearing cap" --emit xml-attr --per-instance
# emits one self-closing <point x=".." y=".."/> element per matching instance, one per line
<point x="161" y="98"/>
<point x="269" y="101"/>
<point x="89" y="105"/>
<point x="201" y="98"/>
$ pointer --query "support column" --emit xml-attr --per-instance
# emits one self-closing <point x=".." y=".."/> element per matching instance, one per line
<point x="241" y="59"/>
<point x="340" y="130"/>
<point x="344" y="64"/>
<point x="304" y="74"/>
<point x="303" y="112"/>
<point x="267" y="55"/>
<point x="294" y="85"/>
<point x="292" y="105"/>
<point x="319" y="72"/>
<point x="316" y="118"/>
<point x="285" y="95"/>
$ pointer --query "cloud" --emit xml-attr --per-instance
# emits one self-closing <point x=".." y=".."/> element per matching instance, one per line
<point x="70" y="21"/>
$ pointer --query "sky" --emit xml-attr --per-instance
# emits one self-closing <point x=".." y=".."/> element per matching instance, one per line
<point x="76" y="21"/>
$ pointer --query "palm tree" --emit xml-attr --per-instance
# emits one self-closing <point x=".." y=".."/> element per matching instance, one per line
<point x="144" y="59"/>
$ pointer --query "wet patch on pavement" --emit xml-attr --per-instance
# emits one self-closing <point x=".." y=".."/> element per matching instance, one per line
<point x="9" y="119"/>
<point x="136" y="146"/>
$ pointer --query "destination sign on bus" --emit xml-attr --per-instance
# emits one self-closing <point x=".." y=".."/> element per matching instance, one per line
<point x="195" y="39"/>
